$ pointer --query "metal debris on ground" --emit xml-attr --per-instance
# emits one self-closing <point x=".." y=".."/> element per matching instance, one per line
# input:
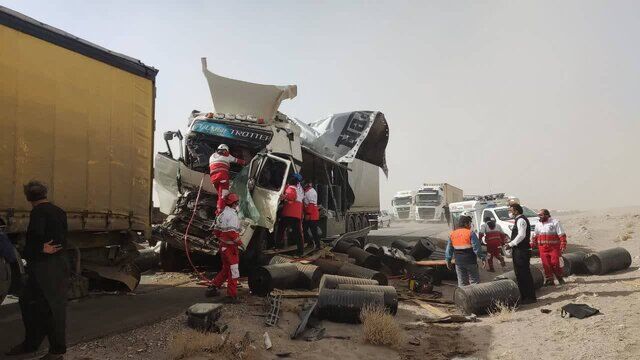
<point x="305" y="314"/>
<point x="203" y="317"/>
<point x="274" y="300"/>
<point x="267" y="341"/>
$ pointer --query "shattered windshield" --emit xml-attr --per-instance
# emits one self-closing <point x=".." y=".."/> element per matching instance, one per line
<point x="248" y="209"/>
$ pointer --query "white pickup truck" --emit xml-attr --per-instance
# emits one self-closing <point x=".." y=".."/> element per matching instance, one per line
<point x="491" y="207"/>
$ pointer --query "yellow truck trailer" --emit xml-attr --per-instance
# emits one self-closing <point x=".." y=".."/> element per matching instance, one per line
<point x="79" y="118"/>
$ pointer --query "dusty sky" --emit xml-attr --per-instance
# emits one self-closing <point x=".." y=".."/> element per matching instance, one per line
<point x="538" y="99"/>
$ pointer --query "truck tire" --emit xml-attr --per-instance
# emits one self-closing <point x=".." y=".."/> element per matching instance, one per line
<point x="171" y="259"/>
<point x="351" y="223"/>
<point x="254" y="256"/>
<point x="358" y="221"/>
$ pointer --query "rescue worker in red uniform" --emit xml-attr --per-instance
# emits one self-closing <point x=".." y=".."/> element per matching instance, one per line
<point x="311" y="213"/>
<point x="291" y="215"/>
<point x="551" y="241"/>
<point x="219" y="165"/>
<point x="227" y="230"/>
<point x="491" y="235"/>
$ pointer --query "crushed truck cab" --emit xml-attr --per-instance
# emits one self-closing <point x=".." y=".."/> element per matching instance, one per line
<point x="341" y="155"/>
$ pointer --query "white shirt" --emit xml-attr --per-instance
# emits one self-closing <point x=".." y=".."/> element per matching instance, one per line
<point x="522" y="232"/>
<point x="310" y="197"/>
<point x="228" y="220"/>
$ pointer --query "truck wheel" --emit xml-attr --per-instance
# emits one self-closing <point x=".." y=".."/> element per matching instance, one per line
<point x="255" y="251"/>
<point x="351" y="223"/>
<point x="358" y="221"/>
<point x="170" y="258"/>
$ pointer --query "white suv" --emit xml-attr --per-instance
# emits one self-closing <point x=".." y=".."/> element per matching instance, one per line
<point x="384" y="218"/>
<point x="501" y="214"/>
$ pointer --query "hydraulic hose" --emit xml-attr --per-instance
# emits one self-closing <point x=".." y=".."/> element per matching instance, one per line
<point x="200" y="274"/>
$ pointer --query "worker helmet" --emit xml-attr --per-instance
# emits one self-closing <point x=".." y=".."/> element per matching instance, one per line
<point x="223" y="147"/>
<point x="297" y="177"/>
<point x="231" y="199"/>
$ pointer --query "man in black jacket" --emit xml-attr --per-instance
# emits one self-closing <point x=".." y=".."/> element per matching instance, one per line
<point x="521" y="254"/>
<point x="44" y="299"/>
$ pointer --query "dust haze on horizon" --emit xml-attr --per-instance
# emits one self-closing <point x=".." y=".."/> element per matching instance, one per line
<point x="537" y="99"/>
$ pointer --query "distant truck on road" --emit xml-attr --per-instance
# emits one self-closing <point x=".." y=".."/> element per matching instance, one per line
<point x="79" y="118"/>
<point x="402" y="205"/>
<point x="432" y="200"/>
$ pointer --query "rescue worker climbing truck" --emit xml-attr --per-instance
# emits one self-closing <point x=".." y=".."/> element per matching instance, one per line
<point x="80" y="119"/>
<point x="341" y="155"/>
<point x="219" y="165"/>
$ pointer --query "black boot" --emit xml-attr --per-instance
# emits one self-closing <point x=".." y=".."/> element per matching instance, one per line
<point x="212" y="291"/>
<point x="561" y="281"/>
<point x="20" y="349"/>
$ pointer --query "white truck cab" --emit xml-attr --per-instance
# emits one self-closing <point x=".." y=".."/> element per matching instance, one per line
<point x="402" y="205"/>
<point x="431" y="200"/>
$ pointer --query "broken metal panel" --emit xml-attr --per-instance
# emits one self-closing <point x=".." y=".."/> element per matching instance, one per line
<point x="347" y="136"/>
<point x="166" y="177"/>
<point x="126" y="273"/>
<point x="242" y="97"/>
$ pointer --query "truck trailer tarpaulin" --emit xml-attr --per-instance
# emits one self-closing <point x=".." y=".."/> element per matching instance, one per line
<point x="79" y="118"/>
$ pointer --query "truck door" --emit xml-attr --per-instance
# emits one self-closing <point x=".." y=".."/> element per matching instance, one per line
<point x="268" y="178"/>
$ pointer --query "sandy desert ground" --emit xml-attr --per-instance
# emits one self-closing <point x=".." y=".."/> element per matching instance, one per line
<point x="525" y="334"/>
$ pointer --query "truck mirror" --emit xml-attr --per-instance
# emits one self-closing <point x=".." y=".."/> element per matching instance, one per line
<point x="168" y="135"/>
